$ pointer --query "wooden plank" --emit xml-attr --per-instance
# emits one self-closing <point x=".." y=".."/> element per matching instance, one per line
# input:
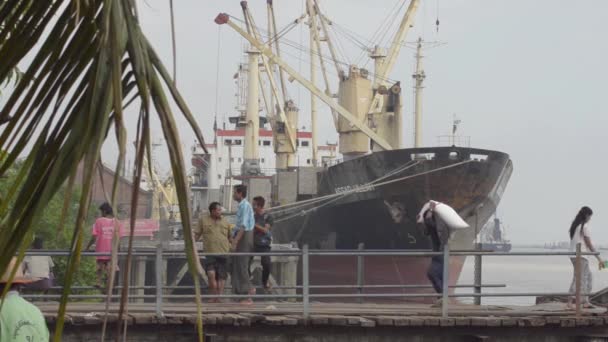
<point x="253" y="317"/>
<point x="462" y="321"/>
<point x="416" y="321"/>
<point x="582" y="322"/>
<point x="509" y="322"/>
<point x="299" y="319"/>
<point x="241" y="320"/>
<point x="479" y="322"/>
<point x="142" y="319"/>
<point x="384" y="321"/>
<point x="225" y="319"/>
<point x="447" y="322"/>
<point x="431" y="321"/>
<point x="596" y="321"/>
<point x="401" y="321"/>
<point x="568" y="322"/>
<point x="210" y="319"/>
<point x="274" y="320"/>
<point x="175" y="319"/>
<point x="290" y="321"/>
<point x="338" y="320"/>
<point x="353" y="320"/>
<point x="92" y="320"/>
<point x="319" y="320"/>
<point x="493" y="322"/>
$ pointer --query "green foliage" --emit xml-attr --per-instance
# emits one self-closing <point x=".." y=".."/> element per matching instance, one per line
<point x="49" y="227"/>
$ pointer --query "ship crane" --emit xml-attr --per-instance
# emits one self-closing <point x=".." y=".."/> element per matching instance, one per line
<point x="345" y="114"/>
<point x="385" y="112"/>
<point x="284" y="124"/>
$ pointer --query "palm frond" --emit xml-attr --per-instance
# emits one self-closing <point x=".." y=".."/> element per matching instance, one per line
<point x="89" y="57"/>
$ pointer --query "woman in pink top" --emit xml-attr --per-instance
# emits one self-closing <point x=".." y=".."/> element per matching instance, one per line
<point x="103" y="234"/>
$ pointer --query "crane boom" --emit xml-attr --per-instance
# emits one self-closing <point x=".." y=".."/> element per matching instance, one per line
<point x="223" y="18"/>
<point x="389" y="62"/>
<point x="273" y="85"/>
<point x="332" y="51"/>
<point x="277" y="47"/>
<point x="391" y="58"/>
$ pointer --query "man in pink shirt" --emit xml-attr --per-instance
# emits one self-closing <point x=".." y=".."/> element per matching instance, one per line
<point x="103" y="234"/>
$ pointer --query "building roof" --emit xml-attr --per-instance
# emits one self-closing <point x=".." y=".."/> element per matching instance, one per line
<point x="263" y="133"/>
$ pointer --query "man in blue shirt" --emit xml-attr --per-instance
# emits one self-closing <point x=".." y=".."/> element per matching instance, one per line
<point x="242" y="242"/>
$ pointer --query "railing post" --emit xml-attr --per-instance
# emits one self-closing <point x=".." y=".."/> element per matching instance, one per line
<point x="577" y="279"/>
<point x="360" y="272"/>
<point x="477" y="278"/>
<point x="158" y="263"/>
<point x="446" y="281"/>
<point x="305" y="284"/>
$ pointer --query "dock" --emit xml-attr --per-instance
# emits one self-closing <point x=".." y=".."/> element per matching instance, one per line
<point x="296" y="311"/>
<point x="353" y="322"/>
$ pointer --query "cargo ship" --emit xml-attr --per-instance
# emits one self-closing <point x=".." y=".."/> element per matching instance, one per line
<point x="370" y="198"/>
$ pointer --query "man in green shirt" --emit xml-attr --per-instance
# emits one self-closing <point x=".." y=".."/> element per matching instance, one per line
<point x="20" y="320"/>
<point x="215" y="231"/>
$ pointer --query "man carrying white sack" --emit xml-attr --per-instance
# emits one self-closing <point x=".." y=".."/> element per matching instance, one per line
<point x="439" y="232"/>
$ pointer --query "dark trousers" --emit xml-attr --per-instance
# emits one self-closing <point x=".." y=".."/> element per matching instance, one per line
<point x="265" y="260"/>
<point x="435" y="273"/>
<point x="240" y="270"/>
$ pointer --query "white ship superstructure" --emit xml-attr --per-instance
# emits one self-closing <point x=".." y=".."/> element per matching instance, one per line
<point x="222" y="167"/>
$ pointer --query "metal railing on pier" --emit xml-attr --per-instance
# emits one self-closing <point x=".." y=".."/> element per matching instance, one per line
<point x="303" y="291"/>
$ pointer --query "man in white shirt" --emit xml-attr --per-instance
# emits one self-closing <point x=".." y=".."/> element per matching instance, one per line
<point x="39" y="268"/>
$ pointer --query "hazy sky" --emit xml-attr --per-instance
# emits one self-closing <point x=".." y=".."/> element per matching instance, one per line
<point x="526" y="77"/>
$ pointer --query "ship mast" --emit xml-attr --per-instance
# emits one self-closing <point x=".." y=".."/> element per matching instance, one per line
<point x="284" y="125"/>
<point x="313" y="80"/>
<point x="251" y="155"/>
<point x="419" y="77"/>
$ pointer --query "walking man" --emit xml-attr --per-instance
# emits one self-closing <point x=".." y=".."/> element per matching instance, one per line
<point x="439" y="235"/>
<point x="214" y="231"/>
<point x="20" y="320"/>
<point x="262" y="237"/>
<point x="242" y="242"/>
<point x="104" y="235"/>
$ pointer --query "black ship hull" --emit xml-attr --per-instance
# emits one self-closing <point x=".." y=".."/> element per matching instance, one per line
<point x="373" y="200"/>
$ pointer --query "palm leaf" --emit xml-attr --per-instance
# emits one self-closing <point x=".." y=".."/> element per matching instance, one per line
<point x="89" y="57"/>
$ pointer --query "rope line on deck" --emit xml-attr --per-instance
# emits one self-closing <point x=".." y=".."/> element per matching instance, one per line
<point x="295" y="205"/>
<point x="362" y="188"/>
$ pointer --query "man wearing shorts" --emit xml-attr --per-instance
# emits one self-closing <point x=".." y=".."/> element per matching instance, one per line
<point x="215" y="231"/>
<point x="104" y="235"/>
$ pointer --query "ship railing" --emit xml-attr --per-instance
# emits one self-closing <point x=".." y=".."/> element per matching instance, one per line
<point x="159" y="291"/>
<point x="454" y="140"/>
<point x="238" y="172"/>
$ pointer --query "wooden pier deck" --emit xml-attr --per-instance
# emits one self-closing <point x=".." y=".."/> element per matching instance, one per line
<point x="336" y="314"/>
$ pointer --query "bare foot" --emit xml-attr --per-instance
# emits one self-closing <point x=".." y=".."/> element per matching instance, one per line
<point x="252" y="291"/>
<point x="246" y="302"/>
